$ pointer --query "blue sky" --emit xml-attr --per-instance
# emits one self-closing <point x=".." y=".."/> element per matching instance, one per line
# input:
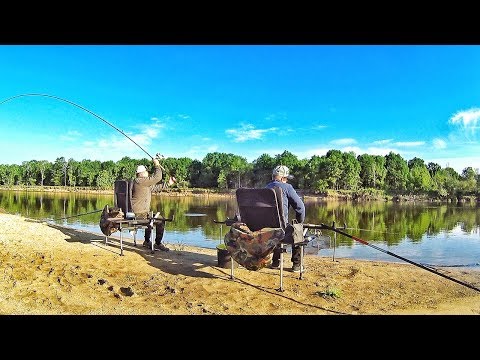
<point x="189" y="100"/>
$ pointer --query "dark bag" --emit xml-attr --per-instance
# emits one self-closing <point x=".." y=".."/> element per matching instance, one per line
<point x="294" y="233"/>
<point x="107" y="217"/>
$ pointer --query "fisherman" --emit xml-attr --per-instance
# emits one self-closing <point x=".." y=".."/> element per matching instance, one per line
<point x="141" y="202"/>
<point x="280" y="176"/>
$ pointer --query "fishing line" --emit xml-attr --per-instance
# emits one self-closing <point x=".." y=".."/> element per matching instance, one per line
<point x="84" y="109"/>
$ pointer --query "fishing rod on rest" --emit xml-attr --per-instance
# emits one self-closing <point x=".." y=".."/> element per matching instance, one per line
<point x="68" y="217"/>
<point x="333" y="228"/>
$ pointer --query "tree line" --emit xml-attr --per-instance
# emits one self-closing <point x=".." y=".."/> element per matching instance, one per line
<point x="336" y="170"/>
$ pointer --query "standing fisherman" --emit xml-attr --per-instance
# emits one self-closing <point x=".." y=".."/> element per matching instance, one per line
<point x="141" y="201"/>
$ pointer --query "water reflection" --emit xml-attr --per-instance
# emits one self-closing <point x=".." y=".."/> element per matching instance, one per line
<point x="446" y="234"/>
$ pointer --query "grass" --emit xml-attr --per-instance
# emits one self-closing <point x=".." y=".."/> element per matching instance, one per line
<point x="330" y="292"/>
<point x="222" y="247"/>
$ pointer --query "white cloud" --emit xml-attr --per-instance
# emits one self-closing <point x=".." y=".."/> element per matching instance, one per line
<point x="382" y="142"/>
<point x="458" y="163"/>
<point x="70" y="135"/>
<point x="276" y="116"/>
<point x="439" y="144"/>
<point x="287" y="131"/>
<point x="319" y="127"/>
<point x="467" y="120"/>
<point x="345" y="141"/>
<point x="379" y="151"/>
<point x="149" y="132"/>
<point x="119" y="146"/>
<point x="409" y="143"/>
<point x="247" y="132"/>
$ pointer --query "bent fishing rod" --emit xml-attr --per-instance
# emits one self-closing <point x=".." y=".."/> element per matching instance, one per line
<point x="158" y="156"/>
<point x="333" y="228"/>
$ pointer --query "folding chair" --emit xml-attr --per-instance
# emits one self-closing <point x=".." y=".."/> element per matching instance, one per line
<point x="123" y="200"/>
<point x="262" y="208"/>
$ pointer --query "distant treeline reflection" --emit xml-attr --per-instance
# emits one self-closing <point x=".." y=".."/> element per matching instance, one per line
<point x="390" y="222"/>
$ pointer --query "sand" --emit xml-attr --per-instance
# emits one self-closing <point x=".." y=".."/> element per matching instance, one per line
<point x="51" y="270"/>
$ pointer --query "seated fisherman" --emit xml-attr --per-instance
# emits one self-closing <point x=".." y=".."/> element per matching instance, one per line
<point x="280" y="176"/>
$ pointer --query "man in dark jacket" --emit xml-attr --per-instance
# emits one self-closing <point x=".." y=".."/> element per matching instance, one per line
<point x="141" y="199"/>
<point x="280" y="176"/>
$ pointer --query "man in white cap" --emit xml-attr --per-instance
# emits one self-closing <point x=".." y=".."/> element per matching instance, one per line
<point x="141" y="200"/>
<point x="280" y="176"/>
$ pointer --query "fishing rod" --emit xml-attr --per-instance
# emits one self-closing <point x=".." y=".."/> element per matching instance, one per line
<point x="333" y="228"/>
<point x="68" y="217"/>
<point x="85" y="109"/>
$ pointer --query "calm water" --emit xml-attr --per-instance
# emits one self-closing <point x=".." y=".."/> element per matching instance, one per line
<point x="439" y="235"/>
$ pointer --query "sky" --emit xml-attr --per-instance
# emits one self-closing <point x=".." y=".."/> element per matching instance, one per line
<point x="105" y="102"/>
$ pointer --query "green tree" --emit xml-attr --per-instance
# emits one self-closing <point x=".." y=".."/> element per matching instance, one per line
<point x="29" y="172"/>
<point x="332" y="168"/>
<point x="433" y="168"/>
<point x="367" y="170"/>
<point x="313" y="173"/>
<point x="419" y="179"/>
<point x="236" y="166"/>
<point x="446" y="183"/>
<point x="89" y="172"/>
<point x="397" y="172"/>
<point x="3" y="174"/>
<point x="178" y="168"/>
<point x="350" y="177"/>
<point x="195" y="170"/>
<point x="468" y="181"/>
<point x="72" y="172"/>
<point x="212" y="163"/>
<point x="11" y="174"/>
<point x="125" y="169"/>
<point x="262" y="170"/>
<point x="43" y="167"/>
<point x="105" y="179"/>
<point x="415" y="162"/>
<point x="59" y="171"/>
<point x="380" y="172"/>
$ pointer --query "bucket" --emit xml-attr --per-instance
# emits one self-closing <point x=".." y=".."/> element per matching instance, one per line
<point x="223" y="257"/>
